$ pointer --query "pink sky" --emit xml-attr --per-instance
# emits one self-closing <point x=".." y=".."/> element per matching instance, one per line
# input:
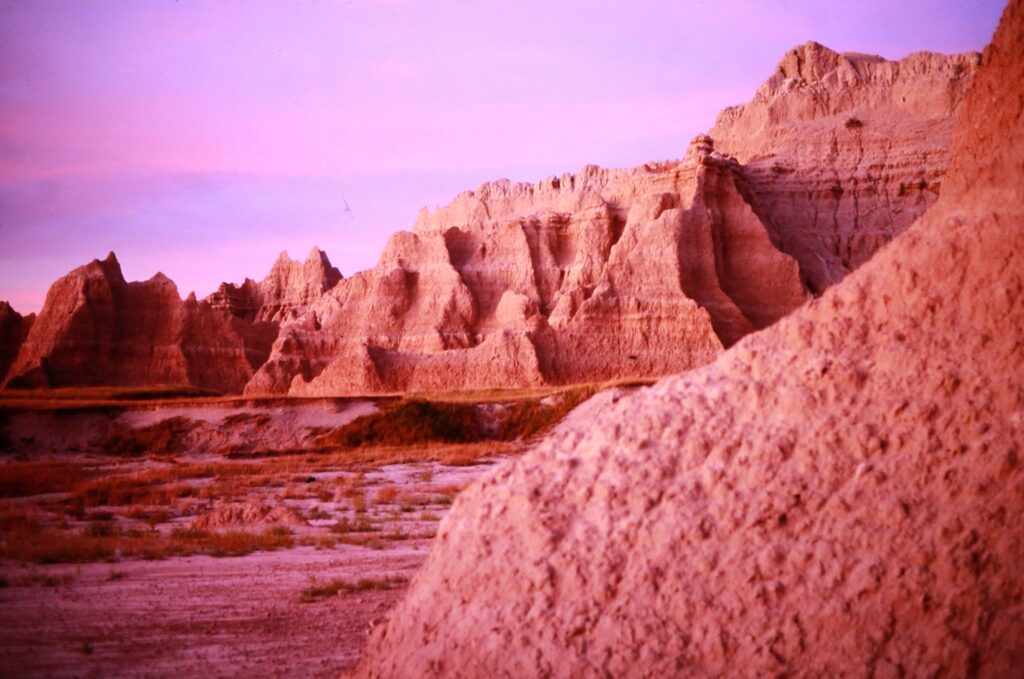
<point x="202" y="138"/>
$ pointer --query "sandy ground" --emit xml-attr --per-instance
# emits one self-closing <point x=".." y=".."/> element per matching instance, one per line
<point x="214" y="617"/>
<point x="195" y="616"/>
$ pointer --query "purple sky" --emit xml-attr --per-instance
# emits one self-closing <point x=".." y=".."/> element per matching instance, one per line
<point x="202" y="138"/>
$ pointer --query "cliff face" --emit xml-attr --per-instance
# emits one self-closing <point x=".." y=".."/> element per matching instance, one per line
<point x="598" y="275"/>
<point x="13" y="330"/>
<point x="585" y="277"/>
<point x="287" y="291"/>
<point x="844" y="151"/>
<point x="97" y="329"/>
<point x="834" y="496"/>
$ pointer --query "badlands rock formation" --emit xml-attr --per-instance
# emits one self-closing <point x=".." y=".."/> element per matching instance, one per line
<point x="603" y="274"/>
<point x="13" y="330"/>
<point x="598" y="275"/>
<point x="838" y="495"/>
<point x="844" y="151"/>
<point x="287" y="291"/>
<point x="97" y="329"/>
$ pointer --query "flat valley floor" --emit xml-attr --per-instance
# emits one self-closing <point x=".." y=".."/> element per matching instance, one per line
<point x="169" y="539"/>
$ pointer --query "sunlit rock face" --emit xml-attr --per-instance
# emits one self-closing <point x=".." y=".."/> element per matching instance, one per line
<point x="603" y="274"/>
<point x="841" y="152"/>
<point x="599" y="275"/>
<point x="834" y="496"/>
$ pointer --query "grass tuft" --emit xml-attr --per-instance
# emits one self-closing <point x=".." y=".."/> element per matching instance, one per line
<point x="318" y="591"/>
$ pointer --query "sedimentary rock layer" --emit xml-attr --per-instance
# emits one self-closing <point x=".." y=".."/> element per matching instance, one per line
<point x="834" y="496"/>
<point x="842" y="152"/>
<point x="586" y="277"/>
<point x="97" y="329"/>
<point x="598" y="275"/>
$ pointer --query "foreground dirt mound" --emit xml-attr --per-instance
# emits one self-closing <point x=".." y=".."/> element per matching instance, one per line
<point x="837" y="496"/>
<point x="246" y="514"/>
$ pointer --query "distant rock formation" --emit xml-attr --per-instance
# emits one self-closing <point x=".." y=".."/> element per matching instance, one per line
<point x="97" y="329"/>
<point x="13" y="330"/>
<point x="603" y="274"/>
<point x="287" y="291"/>
<point x="835" y="496"/>
<point x="842" y="152"/>
<point x="599" y="275"/>
<point x="257" y="310"/>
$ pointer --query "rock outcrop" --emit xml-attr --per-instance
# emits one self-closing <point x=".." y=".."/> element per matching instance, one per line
<point x="257" y="310"/>
<point x="835" y="496"/>
<point x="842" y="152"/>
<point x="97" y="329"/>
<point x="13" y="330"/>
<point x="603" y="274"/>
<point x="287" y="291"/>
<point x="599" y="275"/>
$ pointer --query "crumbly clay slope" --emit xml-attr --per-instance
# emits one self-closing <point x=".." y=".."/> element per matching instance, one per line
<point x="838" y="495"/>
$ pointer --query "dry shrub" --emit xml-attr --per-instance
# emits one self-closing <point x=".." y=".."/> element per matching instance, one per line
<point x="386" y="495"/>
<point x="335" y="587"/>
<point x="24" y="479"/>
<point x="122" y="491"/>
<point x="343" y="526"/>
<point x="80" y="397"/>
<point x="317" y="514"/>
<point x="447" y="494"/>
<point x="103" y="541"/>
<point x="418" y="422"/>
<point x="233" y="542"/>
<point x="411" y="422"/>
<point x="528" y="418"/>
<point x="148" y="515"/>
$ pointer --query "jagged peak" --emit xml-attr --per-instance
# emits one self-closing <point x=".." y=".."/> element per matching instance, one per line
<point x="319" y="260"/>
<point x="318" y="257"/>
<point x="108" y="267"/>
<point x="809" y="61"/>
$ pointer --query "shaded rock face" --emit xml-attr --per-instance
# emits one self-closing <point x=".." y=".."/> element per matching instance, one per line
<point x="599" y="275"/>
<point x="257" y="310"/>
<point x="97" y="329"/>
<point x="834" y="496"/>
<point x="841" y="152"/>
<point x="13" y="330"/>
<point x="284" y="294"/>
